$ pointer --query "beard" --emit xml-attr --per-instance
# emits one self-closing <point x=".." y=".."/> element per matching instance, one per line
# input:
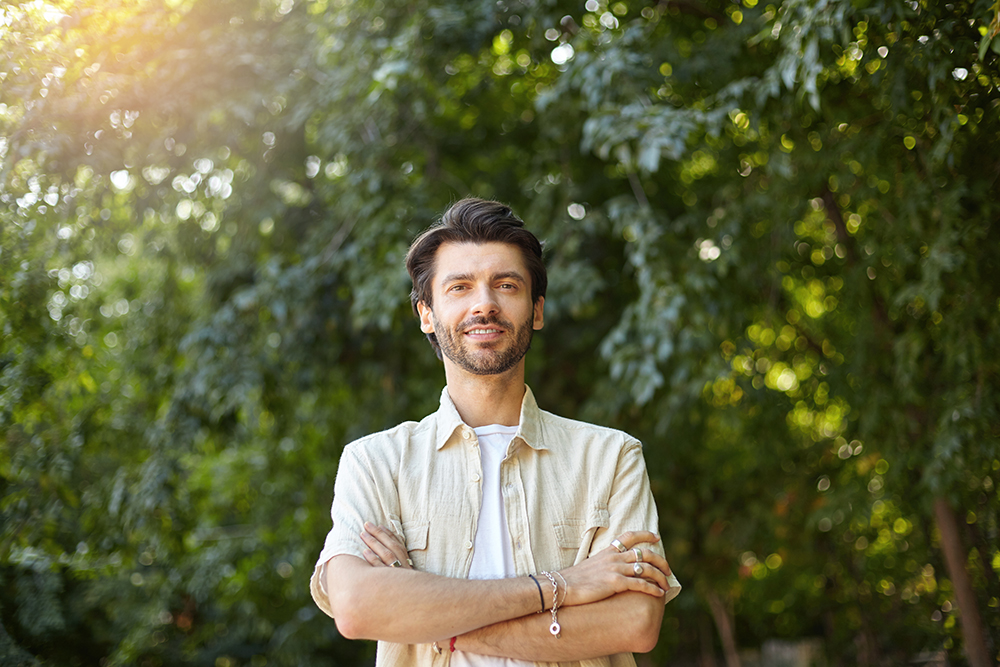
<point x="485" y="360"/>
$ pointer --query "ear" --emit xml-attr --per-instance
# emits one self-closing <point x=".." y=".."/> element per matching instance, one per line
<point x="539" y="320"/>
<point x="426" y="323"/>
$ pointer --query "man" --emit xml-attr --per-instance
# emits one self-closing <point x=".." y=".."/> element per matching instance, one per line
<point x="451" y="536"/>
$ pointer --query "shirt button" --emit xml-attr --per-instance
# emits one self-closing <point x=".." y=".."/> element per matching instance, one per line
<point x="475" y="477"/>
<point x="468" y="544"/>
<point x="466" y="434"/>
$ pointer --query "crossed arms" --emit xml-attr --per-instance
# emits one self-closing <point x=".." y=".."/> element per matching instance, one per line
<point x="498" y="616"/>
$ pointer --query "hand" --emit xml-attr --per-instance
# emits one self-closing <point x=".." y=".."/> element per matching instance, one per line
<point x="609" y="571"/>
<point x="384" y="548"/>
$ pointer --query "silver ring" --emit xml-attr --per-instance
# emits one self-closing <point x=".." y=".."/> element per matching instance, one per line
<point x="395" y="563"/>
<point x="617" y="544"/>
<point x="637" y="568"/>
<point x="638" y="554"/>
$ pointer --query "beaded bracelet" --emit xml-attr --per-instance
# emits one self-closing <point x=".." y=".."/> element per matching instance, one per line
<point x="439" y="650"/>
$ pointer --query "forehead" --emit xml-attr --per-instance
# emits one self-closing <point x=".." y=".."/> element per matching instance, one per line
<point x="479" y="260"/>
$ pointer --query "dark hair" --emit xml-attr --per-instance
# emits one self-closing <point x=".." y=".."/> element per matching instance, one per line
<point x="477" y="221"/>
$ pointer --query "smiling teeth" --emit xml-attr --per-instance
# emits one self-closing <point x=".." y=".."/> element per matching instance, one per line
<point x="484" y="331"/>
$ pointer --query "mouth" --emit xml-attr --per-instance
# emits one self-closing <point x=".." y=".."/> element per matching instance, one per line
<point x="485" y="331"/>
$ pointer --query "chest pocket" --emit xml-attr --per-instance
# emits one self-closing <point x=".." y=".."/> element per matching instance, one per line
<point x="415" y="533"/>
<point x="574" y="537"/>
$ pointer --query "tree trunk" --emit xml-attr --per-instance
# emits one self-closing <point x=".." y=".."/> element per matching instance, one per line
<point x="707" y="658"/>
<point x="955" y="559"/>
<point x="724" y="624"/>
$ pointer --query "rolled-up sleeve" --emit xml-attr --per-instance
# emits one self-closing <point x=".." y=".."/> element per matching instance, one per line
<point x="631" y="506"/>
<point x="359" y="495"/>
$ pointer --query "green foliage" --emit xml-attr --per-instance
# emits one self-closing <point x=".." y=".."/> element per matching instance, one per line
<point x="769" y="231"/>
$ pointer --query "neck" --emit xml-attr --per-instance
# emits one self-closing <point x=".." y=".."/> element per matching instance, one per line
<point x="482" y="400"/>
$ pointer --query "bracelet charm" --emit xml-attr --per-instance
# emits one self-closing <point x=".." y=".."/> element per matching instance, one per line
<point x="555" y="628"/>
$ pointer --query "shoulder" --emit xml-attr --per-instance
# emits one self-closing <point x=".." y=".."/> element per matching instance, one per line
<point x="585" y="432"/>
<point x="376" y="456"/>
<point x="390" y="439"/>
<point x="385" y="449"/>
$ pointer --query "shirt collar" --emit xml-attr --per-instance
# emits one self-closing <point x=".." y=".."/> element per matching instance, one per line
<point x="449" y="422"/>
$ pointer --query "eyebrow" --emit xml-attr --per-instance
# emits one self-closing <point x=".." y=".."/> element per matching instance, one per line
<point x="468" y="277"/>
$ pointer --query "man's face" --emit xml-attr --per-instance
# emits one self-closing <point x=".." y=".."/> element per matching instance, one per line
<point x="482" y="316"/>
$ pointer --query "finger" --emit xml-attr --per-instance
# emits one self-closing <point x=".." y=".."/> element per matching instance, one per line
<point x="372" y="558"/>
<point x="656" y="560"/>
<point x="394" y="544"/>
<point x="654" y="575"/>
<point x="630" y="539"/>
<point x="383" y="552"/>
<point x="649" y="573"/>
<point x="634" y="537"/>
<point x="384" y="534"/>
<point x="643" y="585"/>
<point x="390" y="540"/>
<point x="616" y="545"/>
<point x="375" y="548"/>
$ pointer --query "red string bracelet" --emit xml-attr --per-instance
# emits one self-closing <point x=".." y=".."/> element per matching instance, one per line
<point x="452" y="644"/>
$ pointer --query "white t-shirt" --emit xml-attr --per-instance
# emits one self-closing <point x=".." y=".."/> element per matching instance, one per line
<point x="493" y="556"/>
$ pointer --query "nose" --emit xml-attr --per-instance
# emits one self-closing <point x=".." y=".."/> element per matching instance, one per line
<point x="486" y="304"/>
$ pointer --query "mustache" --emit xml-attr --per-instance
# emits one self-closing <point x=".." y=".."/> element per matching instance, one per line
<point x="484" y="321"/>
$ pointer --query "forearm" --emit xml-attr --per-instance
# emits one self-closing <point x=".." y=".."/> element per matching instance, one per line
<point x="410" y="607"/>
<point x="587" y="631"/>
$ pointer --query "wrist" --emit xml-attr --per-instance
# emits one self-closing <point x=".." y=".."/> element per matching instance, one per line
<point x="451" y="646"/>
<point x="555" y="628"/>
<point x="548" y="596"/>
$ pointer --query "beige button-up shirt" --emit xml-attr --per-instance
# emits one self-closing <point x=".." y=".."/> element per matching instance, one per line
<point x="568" y="487"/>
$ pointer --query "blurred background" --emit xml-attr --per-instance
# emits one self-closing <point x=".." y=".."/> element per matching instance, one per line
<point x="772" y="241"/>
